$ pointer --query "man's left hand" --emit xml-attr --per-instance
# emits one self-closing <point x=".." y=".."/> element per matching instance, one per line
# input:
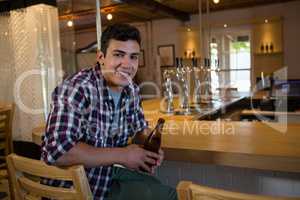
<point x="159" y="161"/>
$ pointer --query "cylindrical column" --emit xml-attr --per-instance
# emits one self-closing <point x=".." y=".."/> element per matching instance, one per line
<point x="201" y="40"/>
<point x="98" y="24"/>
<point x="209" y="31"/>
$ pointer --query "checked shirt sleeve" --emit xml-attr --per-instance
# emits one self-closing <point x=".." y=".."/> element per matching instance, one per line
<point x="65" y="123"/>
<point x="139" y="119"/>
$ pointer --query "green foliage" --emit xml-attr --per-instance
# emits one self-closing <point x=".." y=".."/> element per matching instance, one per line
<point x="238" y="46"/>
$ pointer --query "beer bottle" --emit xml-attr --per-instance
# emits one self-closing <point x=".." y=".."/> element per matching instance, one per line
<point x="153" y="141"/>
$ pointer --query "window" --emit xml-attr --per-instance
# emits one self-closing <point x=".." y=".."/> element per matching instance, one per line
<point x="231" y="61"/>
<point x="240" y="65"/>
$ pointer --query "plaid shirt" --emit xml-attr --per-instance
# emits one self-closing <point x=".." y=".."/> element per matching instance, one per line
<point x="82" y="110"/>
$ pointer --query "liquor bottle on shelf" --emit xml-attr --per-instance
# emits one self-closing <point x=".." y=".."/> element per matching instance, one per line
<point x="262" y="48"/>
<point x="271" y="47"/>
<point x="193" y="54"/>
<point x="267" y="48"/>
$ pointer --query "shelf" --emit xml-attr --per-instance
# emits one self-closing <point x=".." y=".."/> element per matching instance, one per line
<point x="269" y="54"/>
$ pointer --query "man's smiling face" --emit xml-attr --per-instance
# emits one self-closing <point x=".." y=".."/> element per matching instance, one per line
<point x="120" y="63"/>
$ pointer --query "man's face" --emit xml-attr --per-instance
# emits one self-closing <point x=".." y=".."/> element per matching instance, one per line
<point x="120" y="64"/>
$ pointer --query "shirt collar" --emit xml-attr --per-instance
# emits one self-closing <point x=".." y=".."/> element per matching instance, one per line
<point x="128" y="90"/>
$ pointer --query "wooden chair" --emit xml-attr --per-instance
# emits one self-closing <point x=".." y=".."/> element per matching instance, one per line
<point x="189" y="191"/>
<point x="6" y="118"/>
<point x="6" y="146"/>
<point x="25" y="174"/>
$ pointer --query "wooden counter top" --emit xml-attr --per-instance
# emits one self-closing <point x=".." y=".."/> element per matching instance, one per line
<point x="243" y="144"/>
<point x="260" y="145"/>
<point x="234" y="137"/>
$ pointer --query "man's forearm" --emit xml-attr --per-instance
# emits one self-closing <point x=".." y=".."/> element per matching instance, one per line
<point x="90" y="156"/>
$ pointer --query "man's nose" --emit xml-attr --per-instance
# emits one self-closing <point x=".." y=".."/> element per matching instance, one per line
<point x="126" y="61"/>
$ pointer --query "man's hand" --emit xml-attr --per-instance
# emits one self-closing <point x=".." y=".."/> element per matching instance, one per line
<point x="159" y="161"/>
<point x="161" y="157"/>
<point x="138" y="158"/>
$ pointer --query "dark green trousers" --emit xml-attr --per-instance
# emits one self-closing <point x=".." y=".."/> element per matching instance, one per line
<point x="132" y="185"/>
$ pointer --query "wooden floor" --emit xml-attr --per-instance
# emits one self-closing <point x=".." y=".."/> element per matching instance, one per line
<point x="4" y="188"/>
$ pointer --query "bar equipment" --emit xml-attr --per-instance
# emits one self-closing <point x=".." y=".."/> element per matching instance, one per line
<point x="206" y="96"/>
<point x="197" y="79"/>
<point x="169" y="97"/>
<point x="181" y="75"/>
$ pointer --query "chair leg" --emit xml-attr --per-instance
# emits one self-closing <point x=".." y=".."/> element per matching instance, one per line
<point x="11" y="190"/>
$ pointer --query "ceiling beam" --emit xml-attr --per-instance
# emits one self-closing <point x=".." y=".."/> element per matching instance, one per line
<point x="244" y="4"/>
<point x="82" y="13"/>
<point x="154" y="5"/>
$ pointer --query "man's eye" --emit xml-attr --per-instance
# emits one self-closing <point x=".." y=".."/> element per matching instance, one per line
<point x="135" y="57"/>
<point x="118" y="55"/>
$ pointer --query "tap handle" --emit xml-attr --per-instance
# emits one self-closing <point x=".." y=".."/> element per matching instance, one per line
<point x="177" y="62"/>
<point x="181" y="62"/>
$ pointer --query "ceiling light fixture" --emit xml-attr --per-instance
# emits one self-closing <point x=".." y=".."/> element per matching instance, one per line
<point x="70" y="23"/>
<point x="109" y="16"/>
<point x="216" y="1"/>
<point x="189" y="29"/>
<point x="266" y="21"/>
<point x="225" y="25"/>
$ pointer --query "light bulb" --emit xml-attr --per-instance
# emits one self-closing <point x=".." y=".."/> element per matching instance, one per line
<point x="225" y="25"/>
<point x="216" y="1"/>
<point x="109" y="16"/>
<point x="70" y="23"/>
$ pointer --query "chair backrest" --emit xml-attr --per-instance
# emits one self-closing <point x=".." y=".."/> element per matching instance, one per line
<point x="26" y="174"/>
<point x="6" y="118"/>
<point x="189" y="191"/>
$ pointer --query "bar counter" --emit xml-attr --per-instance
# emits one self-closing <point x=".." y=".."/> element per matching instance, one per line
<point x="259" y="145"/>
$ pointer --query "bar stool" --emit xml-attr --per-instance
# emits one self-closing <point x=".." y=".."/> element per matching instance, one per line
<point x="188" y="191"/>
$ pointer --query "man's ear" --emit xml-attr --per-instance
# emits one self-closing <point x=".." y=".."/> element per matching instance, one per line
<point x="100" y="57"/>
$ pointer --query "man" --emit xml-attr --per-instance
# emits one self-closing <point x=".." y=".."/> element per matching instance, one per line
<point x="94" y="113"/>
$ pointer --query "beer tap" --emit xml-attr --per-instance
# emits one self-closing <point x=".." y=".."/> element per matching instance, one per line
<point x="197" y="90"/>
<point x="207" y="81"/>
<point x="184" y="100"/>
<point x="168" y="91"/>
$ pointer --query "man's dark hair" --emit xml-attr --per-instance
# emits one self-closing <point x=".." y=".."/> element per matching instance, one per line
<point x="121" y="32"/>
